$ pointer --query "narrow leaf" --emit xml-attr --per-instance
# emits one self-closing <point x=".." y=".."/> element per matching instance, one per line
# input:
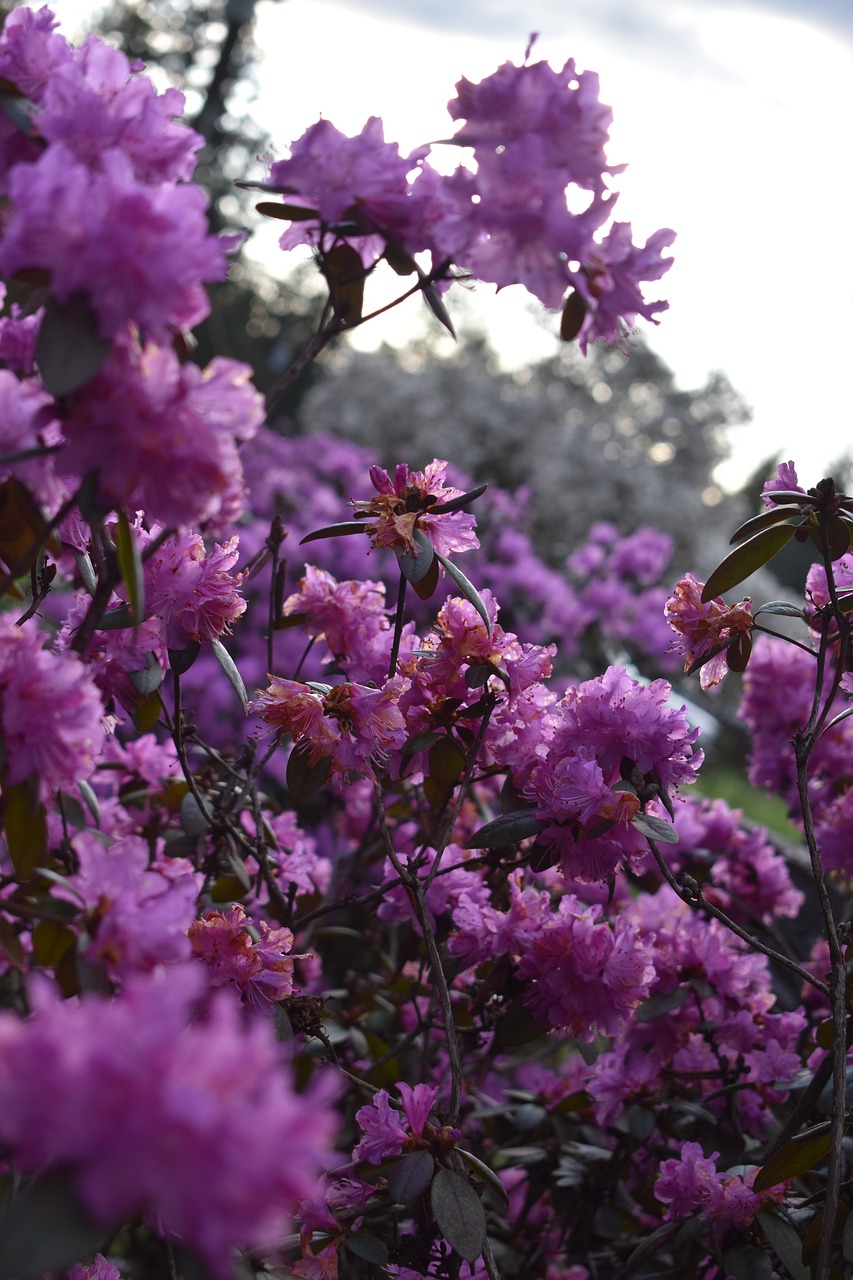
<point x="802" y="1152"/>
<point x="415" y="566"/>
<point x="410" y="1176"/>
<point x="116" y="619"/>
<point x="226" y="662"/>
<point x="780" y="607"/>
<point x="457" y="504"/>
<point x="180" y="660"/>
<point x="333" y="531"/>
<point x="486" y="1175"/>
<point x="775" y="515"/>
<point x="784" y="1242"/>
<point x="130" y="566"/>
<point x="434" y="301"/>
<point x="459" y="1213"/>
<point x="368" y="1248"/>
<point x="655" y="828"/>
<point x="467" y="588"/>
<point x="45" y="1229"/>
<point x="656" y="1006"/>
<point x="573" y="316"/>
<point x="149" y="679"/>
<point x="745" y="1262"/>
<point x="303" y="778"/>
<point x="509" y="828"/>
<point x="345" y="275"/>
<point x="69" y="349"/>
<point x="427" y="585"/>
<point x="26" y="826"/>
<point x="286" y="212"/>
<point x="748" y="557"/>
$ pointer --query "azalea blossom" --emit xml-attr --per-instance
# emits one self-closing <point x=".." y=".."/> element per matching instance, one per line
<point x="717" y="635"/>
<point x="404" y="504"/>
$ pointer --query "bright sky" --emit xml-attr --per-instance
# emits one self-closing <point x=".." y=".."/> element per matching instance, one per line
<point x="735" y="122"/>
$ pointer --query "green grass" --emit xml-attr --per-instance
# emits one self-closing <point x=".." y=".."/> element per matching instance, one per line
<point x="734" y="788"/>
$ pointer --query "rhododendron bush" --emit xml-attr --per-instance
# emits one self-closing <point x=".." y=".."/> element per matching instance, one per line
<point x="357" y="917"/>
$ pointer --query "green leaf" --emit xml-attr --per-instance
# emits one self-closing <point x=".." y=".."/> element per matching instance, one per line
<point x="422" y="742"/>
<point x="785" y="1243"/>
<point x="21" y="111"/>
<point x="775" y="515"/>
<point x="149" y="679"/>
<point x="573" y="316"/>
<point x="410" y="1176"/>
<point x="69" y="350"/>
<point x="434" y="301"/>
<point x="129" y="559"/>
<point x="45" y="1229"/>
<point x="745" y="1262"/>
<point x="303" y="778"/>
<point x="90" y="800"/>
<point x="656" y="1006"/>
<point x="780" y="607"/>
<point x="226" y="662"/>
<point x="345" y="275"/>
<point x="116" y="619"/>
<point x="26" y="826"/>
<point x="803" y="1152"/>
<point x="747" y="558"/>
<point x="458" y="504"/>
<point x="446" y="765"/>
<point x="334" y="530"/>
<point x="415" y="567"/>
<point x="286" y="212"/>
<point x="486" y="1175"/>
<point x="368" y="1248"/>
<point x="509" y="828"/>
<point x="467" y="588"/>
<point x="425" y="587"/>
<point x="459" y="1213"/>
<point x="655" y="828"/>
<point x="180" y="660"/>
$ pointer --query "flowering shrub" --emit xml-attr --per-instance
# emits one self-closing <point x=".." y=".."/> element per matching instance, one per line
<point x="394" y="977"/>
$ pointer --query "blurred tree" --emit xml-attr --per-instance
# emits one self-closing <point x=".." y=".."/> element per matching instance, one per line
<point x="609" y="437"/>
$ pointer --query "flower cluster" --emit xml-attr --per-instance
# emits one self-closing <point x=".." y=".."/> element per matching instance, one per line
<point x="185" y="1124"/>
<point x="534" y="132"/>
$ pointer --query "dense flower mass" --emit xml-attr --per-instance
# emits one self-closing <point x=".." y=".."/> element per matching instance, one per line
<point x="468" y="891"/>
<point x="50" y="710"/>
<point x="186" y="1124"/>
<point x="534" y="132"/>
<point x="148" y="406"/>
<point x="597" y="728"/>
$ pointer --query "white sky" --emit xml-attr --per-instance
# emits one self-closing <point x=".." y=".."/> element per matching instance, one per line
<point x="735" y="124"/>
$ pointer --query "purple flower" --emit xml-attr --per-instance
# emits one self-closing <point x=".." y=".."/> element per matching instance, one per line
<point x="784" y="479"/>
<point x="403" y="505"/>
<point x="384" y="1132"/>
<point x="163" y="436"/>
<point x="609" y="283"/>
<point x="139" y="253"/>
<point x="152" y="1111"/>
<point x="52" y="715"/>
<point x="193" y="594"/>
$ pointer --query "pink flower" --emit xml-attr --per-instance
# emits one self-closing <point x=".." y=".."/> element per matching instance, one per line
<point x="610" y="278"/>
<point x="138" y="910"/>
<point x="784" y="479"/>
<point x="353" y="725"/>
<point x="51" y="712"/>
<point x="339" y="176"/>
<point x="143" y="408"/>
<point x="692" y="1184"/>
<point x="192" y="592"/>
<point x="262" y="969"/>
<point x="384" y="1132"/>
<point x="385" y="1135"/>
<point x="153" y="1111"/>
<point x="587" y="976"/>
<point x="717" y="635"/>
<point x="404" y="504"/>
<point x="139" y="253"/>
